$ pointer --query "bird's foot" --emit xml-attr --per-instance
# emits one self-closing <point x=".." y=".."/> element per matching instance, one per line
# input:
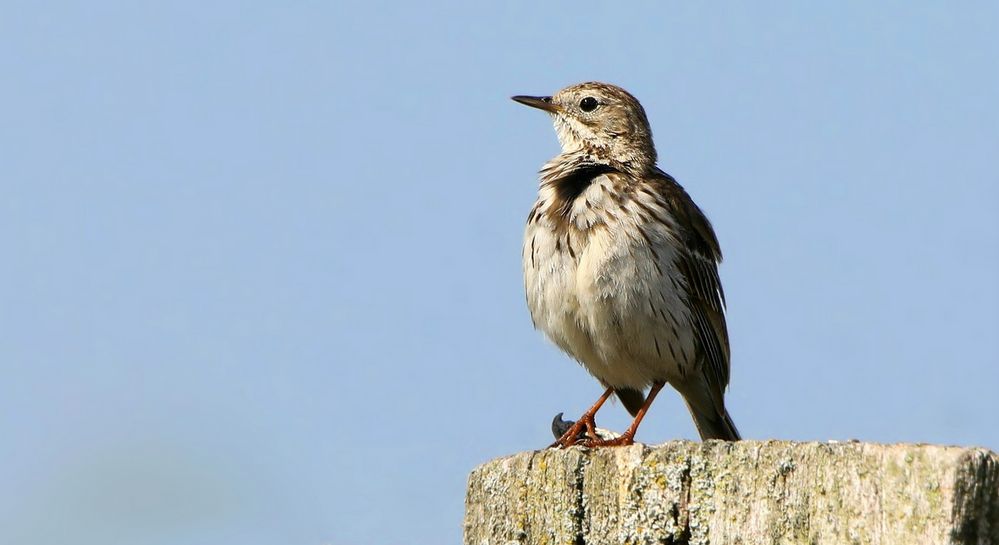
<point x="569" y="433"/>
<point x="560" y="426"/>
<point x="586" y="432"/>
<point x="628" y="437"/>
<point x="619" y="441"/>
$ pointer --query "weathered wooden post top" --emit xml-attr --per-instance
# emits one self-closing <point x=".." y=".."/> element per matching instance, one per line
<point x="746" y="492"/>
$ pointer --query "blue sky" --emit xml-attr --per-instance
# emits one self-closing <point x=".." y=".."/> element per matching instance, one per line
<point x="261" y="275"/>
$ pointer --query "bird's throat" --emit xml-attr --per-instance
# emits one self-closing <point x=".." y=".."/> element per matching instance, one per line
<point x="569" y="184"/>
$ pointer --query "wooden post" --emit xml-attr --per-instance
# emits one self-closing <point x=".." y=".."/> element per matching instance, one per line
<point x="749" y="492"/>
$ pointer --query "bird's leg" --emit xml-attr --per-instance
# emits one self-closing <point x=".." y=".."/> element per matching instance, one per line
<point x="628" y="437"/>
<point x="586" y="422"/>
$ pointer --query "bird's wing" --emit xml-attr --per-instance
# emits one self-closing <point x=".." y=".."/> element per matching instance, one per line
<point x="698" y="262"/>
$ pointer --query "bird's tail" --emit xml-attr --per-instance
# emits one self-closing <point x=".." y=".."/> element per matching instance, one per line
<point x="707" y="407"/>
<point x="714" y="424"/>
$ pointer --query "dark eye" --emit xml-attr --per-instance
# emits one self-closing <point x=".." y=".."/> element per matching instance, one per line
<point x="588" y="104"/>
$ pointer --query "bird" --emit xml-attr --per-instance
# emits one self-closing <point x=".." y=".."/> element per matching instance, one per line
<point x="621" y="267"/>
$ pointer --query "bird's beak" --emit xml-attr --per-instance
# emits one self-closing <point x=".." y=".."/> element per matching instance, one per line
<point x="541" y="103"/>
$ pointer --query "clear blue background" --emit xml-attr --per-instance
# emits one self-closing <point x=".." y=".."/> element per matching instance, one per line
<point x="260" y="275"/>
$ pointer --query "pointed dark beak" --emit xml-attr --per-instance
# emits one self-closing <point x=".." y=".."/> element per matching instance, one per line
<point x="541" y="103"/>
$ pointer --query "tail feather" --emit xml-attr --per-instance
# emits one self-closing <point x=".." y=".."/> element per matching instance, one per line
<point x="714" y="425"/>
<point x="631" y="399"/>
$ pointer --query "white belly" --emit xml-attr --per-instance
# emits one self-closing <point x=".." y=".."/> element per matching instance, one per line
<point x="610" y="306"/>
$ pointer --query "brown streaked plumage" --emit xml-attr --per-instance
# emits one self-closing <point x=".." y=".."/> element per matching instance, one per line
<point x="620" y="265"/>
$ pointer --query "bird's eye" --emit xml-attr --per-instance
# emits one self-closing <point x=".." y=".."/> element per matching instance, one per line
<point x="588" y="104"/>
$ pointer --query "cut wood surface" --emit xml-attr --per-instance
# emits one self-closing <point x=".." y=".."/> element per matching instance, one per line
<point x="749" y="492"/>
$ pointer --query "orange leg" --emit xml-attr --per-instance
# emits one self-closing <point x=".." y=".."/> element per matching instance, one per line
<point x="628" y="437"/>
<point x="586" y="421"/>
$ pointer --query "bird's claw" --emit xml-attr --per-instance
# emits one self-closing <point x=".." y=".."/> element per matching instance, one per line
<point x="583" y="432"/>
<point x="560" y="426"/>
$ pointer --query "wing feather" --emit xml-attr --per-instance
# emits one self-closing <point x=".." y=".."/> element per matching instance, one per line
<point x="698" y="262"/>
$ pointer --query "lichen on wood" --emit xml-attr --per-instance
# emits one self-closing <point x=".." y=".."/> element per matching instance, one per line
<point x="745" y="492"/>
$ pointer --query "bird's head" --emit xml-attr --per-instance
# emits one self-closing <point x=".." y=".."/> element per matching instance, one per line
<point x="601" y="119"/>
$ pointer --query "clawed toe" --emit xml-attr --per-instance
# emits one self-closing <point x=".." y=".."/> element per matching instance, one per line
<point x="574" y="433"/>
<point x="584" y="429"/>
<point x="620" y="441"/>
